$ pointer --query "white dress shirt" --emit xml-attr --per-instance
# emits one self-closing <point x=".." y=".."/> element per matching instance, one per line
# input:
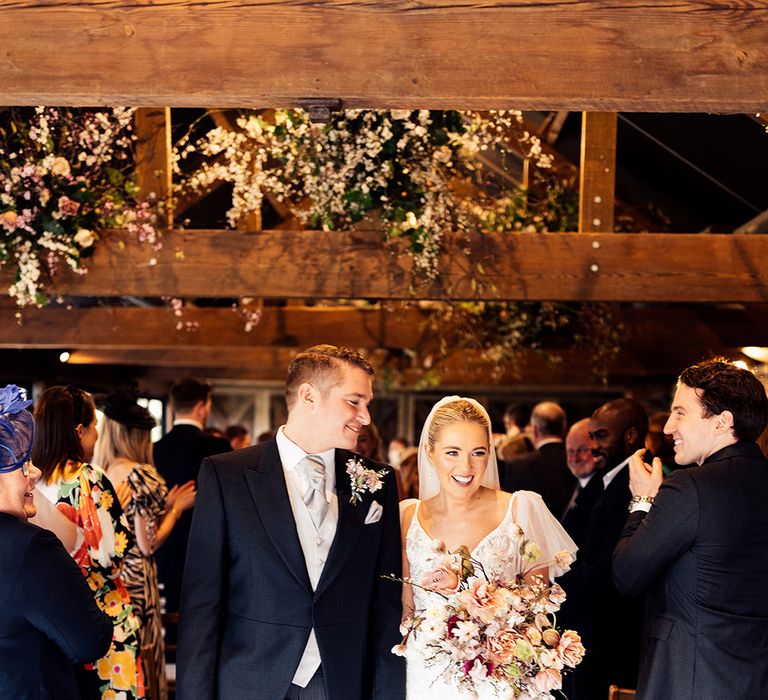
<point x="314" y="543"/>
<point x="609" y="477"/>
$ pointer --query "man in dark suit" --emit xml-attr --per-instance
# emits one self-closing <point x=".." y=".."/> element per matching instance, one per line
<point x="177" y="456"/>
<point x="698" y="543"/>
<point x="589" y="486"/>
<point x="283" y="595"/>
<point x="544" y="470"/>
<point x="610" y="623"/>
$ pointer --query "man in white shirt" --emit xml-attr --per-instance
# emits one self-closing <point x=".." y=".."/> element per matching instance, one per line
<point x="283" y="595"/>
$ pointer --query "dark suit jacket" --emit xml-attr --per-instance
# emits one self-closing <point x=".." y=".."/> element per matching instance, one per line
<point x="48" y="616"/>
<point x="177" y="456"/>
<point x="576" y="520"/>
<point x="702" y="554"/>
<point x="544" y="471"/>
<point x="248" y="606"/>
<point x="610" y="624"/>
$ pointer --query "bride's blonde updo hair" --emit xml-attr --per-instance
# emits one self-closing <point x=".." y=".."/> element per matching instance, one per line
<point x="455" y="412"/>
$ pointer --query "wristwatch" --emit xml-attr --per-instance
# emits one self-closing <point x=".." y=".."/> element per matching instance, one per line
<point x="640" y="503"/>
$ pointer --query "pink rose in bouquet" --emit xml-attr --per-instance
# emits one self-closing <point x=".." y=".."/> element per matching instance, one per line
<point x="443" y="579"/>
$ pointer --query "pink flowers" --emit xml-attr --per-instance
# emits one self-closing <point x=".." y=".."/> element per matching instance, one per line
<point x="64" y="176"/>
<point x="362" y="479"/>
<point x="67" y="206"/>
<point x="492" y="637"/>
<point x="485" y="600"/>
<point x="442" y="579"/>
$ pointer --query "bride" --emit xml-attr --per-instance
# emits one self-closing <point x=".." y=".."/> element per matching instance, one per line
<point x="461" y="504"/>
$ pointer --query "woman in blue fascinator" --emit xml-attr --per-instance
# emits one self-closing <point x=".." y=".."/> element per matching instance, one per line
<point x="48" y="617"/>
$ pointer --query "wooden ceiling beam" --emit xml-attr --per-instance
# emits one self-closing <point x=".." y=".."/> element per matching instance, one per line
<point x="356" y="264"/>
<point x="104" y="328"/>
<point x="460" y="367"/>
<point x="686" y="334"/>
<point x="692" y="55"/>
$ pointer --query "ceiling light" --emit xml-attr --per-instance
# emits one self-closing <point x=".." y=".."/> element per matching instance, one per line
<point x="756" y="353"/>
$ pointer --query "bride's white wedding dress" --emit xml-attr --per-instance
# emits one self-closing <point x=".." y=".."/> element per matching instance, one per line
<point x="526" y="511"/>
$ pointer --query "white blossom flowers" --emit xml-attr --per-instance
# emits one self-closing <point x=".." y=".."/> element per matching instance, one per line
<point x="405" y="163"/>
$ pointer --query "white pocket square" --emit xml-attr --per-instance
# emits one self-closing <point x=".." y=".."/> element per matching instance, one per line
<point x="374" y="513"/>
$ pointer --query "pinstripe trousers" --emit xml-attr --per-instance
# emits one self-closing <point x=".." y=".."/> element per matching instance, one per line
<point x="315" y="689"/>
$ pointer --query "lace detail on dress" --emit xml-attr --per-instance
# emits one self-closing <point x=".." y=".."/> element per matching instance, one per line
<point x="527" y="518"/>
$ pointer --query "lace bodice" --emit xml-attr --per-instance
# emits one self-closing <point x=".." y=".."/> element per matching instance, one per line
<point x="526" y="518"/>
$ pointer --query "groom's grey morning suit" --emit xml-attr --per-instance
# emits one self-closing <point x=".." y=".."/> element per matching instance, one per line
<point x="268" y="597"/>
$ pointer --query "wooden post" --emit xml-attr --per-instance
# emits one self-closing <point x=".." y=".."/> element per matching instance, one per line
<point x="153" y="157"/>
<point x="597" y="179"/>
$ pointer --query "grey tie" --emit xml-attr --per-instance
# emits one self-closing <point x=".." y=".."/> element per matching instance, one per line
<point x="313" y="468"/>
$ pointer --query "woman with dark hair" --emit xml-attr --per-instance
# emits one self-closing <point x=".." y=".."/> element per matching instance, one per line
<point x="48" y="618"/>
<point x="81" y="506"/>
<point x="124" y="451"/>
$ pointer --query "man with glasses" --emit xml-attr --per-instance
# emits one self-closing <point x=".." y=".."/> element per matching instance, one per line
<point x="581" y="462"/>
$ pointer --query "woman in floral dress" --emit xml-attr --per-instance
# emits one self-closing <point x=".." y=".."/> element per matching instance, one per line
<point x="82" y="508"/>
<point x="124" y="451"/>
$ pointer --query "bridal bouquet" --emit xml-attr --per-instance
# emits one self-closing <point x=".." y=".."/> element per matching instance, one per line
<point x="493" y="636"/>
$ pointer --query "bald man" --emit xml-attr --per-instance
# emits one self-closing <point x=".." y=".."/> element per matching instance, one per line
<point x="544" y="470"/>
<point x="594" y="607"/>
<point x="581" y="462"/>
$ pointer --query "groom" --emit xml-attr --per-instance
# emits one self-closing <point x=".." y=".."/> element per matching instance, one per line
<point x="282" y="594"/>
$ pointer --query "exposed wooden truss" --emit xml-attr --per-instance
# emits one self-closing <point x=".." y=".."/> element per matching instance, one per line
<point x="657" y="342"/>
<point x="356" y="264"/>
<point x="695" y="55"/>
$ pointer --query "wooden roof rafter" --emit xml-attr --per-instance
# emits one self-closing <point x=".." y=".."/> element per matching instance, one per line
<point x="356" y="264"/>
<point x="694" y="55"/>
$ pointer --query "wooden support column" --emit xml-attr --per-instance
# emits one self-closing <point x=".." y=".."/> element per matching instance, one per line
<point x="597" y="179"/>
<point x="153" y="157"/>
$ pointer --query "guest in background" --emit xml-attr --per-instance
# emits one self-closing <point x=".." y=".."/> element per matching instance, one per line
<point x="545" y="470"/>
<point x="266" y="436"/>
<point x="589" y="487"/>
<point x="214" y="432"/>
<point x="178" y="455"/>
<point x="369" y="443"/>
<point x="408" y="474"/>
<point x="617" y="430"/>
<point x="660" y="444"/>
<point x="515" y="441"/>
<point x="82" y="508"/>
<point x="238" y="437"/>
<point x="396" y="449"/>
<point x="124" y="451"/>
<point x="581" y="462"/>
<point x="48" y="616"/>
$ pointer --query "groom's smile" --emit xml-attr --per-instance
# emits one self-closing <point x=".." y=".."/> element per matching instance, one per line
<point x="343" y="408"/>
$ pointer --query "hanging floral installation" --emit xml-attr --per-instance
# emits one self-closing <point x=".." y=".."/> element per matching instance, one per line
<point x="417" y="175"/>
<point x="65" y="176"/>
<point x="406" y="166"/>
